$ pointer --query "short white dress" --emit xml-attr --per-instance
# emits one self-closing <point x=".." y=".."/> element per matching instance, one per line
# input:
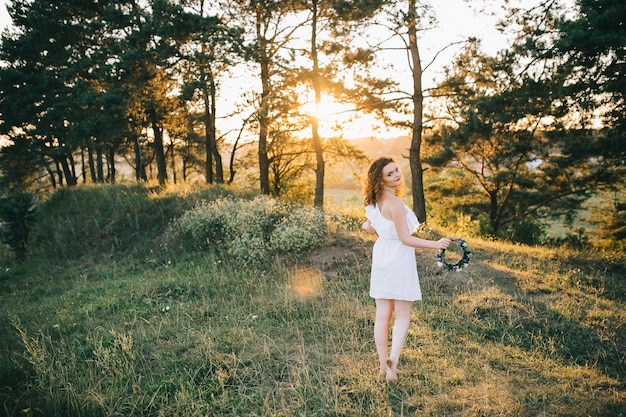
<point x="394" y="270"/>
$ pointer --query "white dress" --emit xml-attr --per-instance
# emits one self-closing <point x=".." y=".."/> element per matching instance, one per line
<point x="394" y="270"/>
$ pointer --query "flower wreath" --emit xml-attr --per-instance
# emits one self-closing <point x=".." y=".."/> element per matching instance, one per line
<point x="441" y="259"/>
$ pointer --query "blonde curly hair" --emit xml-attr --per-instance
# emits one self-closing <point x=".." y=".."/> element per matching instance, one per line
<point x="373" y="182"/>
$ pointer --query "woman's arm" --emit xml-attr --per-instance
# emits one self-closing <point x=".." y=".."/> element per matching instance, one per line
<point x="398" y="216"/>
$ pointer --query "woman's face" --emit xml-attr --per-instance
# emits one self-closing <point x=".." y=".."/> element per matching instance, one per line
<point x="391" y="176"/>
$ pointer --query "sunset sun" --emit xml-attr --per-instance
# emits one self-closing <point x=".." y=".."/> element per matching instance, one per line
<point x="329" y="109"/>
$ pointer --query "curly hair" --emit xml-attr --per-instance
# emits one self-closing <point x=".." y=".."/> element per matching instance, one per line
<point x="373" y="183"/>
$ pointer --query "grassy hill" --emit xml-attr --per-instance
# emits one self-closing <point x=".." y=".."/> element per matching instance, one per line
<point x="118" y="312"/>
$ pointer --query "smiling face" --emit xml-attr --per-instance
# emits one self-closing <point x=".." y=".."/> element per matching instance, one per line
<point x="391" y="176"/>
<point x="383" y="174"/>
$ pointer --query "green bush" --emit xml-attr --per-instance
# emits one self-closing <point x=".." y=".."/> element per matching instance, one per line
<point x="17" y="215"/>
<point x="252" y="231"/>
<point x="300" y="230"/>
<point x="526" y="230"/>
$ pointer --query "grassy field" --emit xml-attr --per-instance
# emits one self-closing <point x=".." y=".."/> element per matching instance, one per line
<point x="130" y="322"/>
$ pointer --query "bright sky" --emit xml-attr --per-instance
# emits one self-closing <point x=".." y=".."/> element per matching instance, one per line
<point x="458" y="19"/>
<point x="4" y="15"/>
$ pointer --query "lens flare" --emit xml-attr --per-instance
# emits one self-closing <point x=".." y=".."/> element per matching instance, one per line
<point x="305" y="282"/>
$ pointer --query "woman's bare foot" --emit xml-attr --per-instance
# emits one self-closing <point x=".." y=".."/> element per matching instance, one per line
<point x="391" y="374"/>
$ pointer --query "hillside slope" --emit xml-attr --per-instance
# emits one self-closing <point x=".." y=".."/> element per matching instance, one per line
<point x="112" y="315"/>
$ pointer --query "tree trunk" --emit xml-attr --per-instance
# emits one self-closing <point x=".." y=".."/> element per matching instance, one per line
<point x="219" y="171"/>
<point x="159" y="152"/>
<point x="417" y="185"/>
<point x="264" y="162"/>
<point x="92" y="163"/>
<point x="212" y="153"/>
<point x="317" y="141"/>
<point x="111" y="158"/>
<point x="494" y="217"/>
<point x="99" y="165"/>
<point x="140" y="169"/>
<point x="208" y="138"/>
<point x="67" y="171"/>
<point x="83" y="164"/>
<point x="53" y="180"/>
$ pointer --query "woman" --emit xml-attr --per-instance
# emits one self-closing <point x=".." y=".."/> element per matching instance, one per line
<point x="394" y="282"/>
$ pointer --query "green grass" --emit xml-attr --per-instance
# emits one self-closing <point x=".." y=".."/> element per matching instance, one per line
<point x="139" y="326"/>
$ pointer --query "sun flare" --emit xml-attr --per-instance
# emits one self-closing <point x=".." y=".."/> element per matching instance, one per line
<point x="328" y="109"/>
<point x="337" y="118"/>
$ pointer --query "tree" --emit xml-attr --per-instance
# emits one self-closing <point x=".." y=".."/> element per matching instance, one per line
<point x="502" y="136"/>
<point x="146" y="57"/>
<point x="581" y="55"/>
<point x="46" y="82"/>
<point x="266" y="23"/>
<point x="593" y="44"/>
<point x="338" y="21"/>
<point x="317" y="88"/>
<point x="405" y="20"/>
<point x="417" y="185"/>
<point x="217" y="47"/>
<point x="591" y="48"/>
<point x="17" y="214"/>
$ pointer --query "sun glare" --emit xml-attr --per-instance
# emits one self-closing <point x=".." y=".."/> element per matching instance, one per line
<point x="328" y="109"/>
<point x="336" y="118"/>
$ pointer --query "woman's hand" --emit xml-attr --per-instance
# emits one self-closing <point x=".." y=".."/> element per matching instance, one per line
<point x="443" y="243"/>
<point x="367" y="226"/>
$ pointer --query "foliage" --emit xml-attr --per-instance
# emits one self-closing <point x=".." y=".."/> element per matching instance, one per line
<point x="252" y="231"/>
<point x="503" y="137"/>
<point x="17" y="215"/>
<point x="89" y="79"/>
<point x="609" y="215"/>
<point x="591" y="48"/>
<point x="581" y="55"/>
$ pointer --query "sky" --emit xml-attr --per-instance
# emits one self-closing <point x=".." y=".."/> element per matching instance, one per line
<point x="5" y="19"/>
<point x="457" y="19"/>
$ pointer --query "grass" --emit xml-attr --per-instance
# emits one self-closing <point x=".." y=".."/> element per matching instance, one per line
<point x="169" y="332"/>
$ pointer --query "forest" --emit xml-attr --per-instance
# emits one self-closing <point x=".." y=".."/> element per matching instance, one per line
<point x="507" y="144"/>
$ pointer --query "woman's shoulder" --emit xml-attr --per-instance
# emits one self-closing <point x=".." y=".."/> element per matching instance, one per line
<point x="396" y="202"/>
<point x="394" y="205"/>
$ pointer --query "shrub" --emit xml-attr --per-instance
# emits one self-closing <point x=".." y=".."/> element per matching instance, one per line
<point x="205" y="224"/>
<point x="17" y="215"/>
<point x="252" y="230"/>
<point x="526" y="230"/>
<point x="300" y="230"/>
<point x="577" y="240"/>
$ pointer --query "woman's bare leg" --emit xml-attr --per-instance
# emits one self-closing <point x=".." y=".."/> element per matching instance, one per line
<point x="384" y="310"/>
<point x="402" y="310"/>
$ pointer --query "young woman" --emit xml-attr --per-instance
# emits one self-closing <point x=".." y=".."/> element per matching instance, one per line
<point x="394" y="282"/>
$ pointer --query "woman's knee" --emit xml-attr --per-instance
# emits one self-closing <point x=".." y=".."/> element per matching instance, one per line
<point x="403" y="308"/>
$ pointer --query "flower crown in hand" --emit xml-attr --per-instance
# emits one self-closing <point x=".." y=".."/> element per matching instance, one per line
<point x="463" y="262"/>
